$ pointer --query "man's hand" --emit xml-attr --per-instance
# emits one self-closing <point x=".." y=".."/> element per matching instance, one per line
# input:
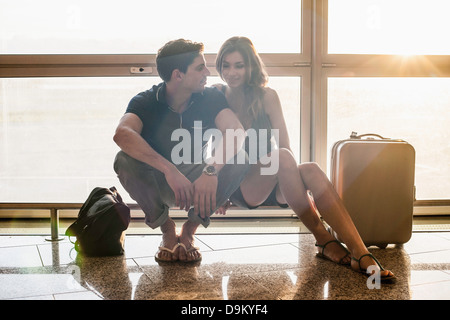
<point x="205" y="188"/>
<point x="182" y="188"/>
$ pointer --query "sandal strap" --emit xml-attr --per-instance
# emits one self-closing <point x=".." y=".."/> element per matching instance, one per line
<point x="192" y="248"/>
<point x="175" y="247"/>
<point x="368" y="255"/>
<point x="327" y="243"/>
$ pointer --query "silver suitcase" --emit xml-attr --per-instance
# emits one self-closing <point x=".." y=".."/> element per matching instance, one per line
<point x="374" y="176"/>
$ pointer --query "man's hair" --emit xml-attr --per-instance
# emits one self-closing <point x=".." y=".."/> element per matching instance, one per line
<point x="176" y="54"/>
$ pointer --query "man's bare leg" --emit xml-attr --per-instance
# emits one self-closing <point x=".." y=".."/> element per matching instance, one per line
<point x="187" y="239"/>
<point x="169" y="241"/>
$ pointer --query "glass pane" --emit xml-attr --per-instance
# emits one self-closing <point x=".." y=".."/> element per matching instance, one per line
<point x="388" y="27"/>
<point x="413" y="109"/>
<point x="288" y="89"/>
<point x="56" y="133"/>
<point x="141" y="26"/>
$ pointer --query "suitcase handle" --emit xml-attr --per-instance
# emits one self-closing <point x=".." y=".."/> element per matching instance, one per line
<point x="354" y="135"/>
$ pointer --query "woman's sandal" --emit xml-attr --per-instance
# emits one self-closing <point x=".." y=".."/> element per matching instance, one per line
<point x="389" y="277"/>
<point x="321" y="254"/>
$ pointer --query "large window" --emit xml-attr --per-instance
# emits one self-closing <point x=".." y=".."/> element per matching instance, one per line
<point x="69" y="68"/>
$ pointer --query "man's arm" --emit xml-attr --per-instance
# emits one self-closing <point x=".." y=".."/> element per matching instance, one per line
<point x="205" y="187"/>
<point x="128" y="138"/>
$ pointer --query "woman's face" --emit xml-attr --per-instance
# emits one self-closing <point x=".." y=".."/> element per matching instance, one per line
<point x="234" y="70"/>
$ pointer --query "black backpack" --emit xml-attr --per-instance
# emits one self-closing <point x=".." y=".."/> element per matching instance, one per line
<point x="101" y="224"/>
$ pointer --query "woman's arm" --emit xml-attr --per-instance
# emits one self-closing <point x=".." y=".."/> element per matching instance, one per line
<point x="272" y="107"/>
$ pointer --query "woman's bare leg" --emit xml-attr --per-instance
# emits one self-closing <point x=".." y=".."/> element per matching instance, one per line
<point x="293" y="181"/>
<point x="293" y="189"/>
<point x="333" y="211"/>
<point x="256" y="188"/>
<point x="331" y="206"/>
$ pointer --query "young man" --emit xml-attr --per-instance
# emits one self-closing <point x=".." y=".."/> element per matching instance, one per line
<point x="146" y="166"/>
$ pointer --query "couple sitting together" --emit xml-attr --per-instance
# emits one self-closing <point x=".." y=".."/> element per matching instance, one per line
<point x="150" y="170"/>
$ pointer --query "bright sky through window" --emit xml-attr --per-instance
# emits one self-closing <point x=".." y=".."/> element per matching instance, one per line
<point x="142" y="26"/>
<point x="404" y="27"/>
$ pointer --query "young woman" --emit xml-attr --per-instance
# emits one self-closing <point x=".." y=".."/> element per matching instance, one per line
<point x="258" y="107"/>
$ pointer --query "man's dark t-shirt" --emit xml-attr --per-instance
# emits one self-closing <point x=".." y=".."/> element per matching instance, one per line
<point x="159" y="121"/>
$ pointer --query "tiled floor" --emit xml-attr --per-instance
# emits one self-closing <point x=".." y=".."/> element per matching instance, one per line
<point x="238" y="266"/>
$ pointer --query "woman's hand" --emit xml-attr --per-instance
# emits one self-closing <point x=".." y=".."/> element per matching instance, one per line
<point x="223" y="209"/>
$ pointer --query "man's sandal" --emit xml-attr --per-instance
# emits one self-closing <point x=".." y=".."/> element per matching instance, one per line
<point x="323" y="256"/>
<point x="191" y="249"/>
<point x="386" y="277"/>
<point x="172" y="251"/>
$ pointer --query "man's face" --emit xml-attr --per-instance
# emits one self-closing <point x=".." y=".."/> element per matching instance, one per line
<point x="196" y="75"/>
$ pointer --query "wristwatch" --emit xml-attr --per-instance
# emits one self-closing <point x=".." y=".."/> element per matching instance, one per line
<point x="210" y="171"/>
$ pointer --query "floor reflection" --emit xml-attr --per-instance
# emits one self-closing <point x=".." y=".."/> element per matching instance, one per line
<point x="234" y="267"/>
